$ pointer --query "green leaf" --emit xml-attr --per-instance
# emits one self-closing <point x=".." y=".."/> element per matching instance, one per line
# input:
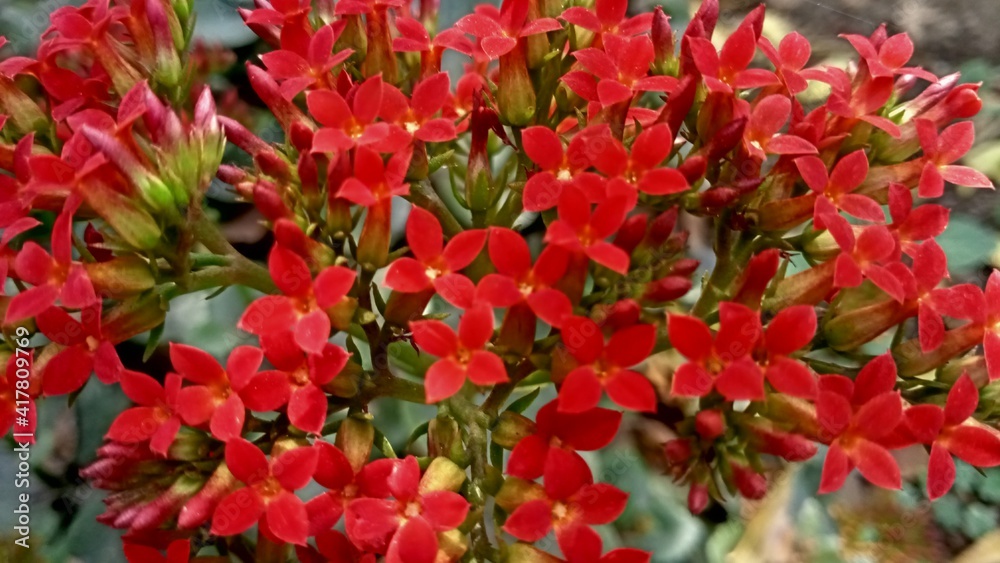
<point x="153" y="341"/>
<point x="524" y="402"/>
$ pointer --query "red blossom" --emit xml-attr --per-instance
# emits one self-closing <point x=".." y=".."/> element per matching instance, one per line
<point x="604" y="366"/>
<point x="434" y="263"/>
<point x="298" y="71"/>
<point x="498" y="31"/>
<point x="156" y="418"/>
<point x="55" y="277"/>
<point x="302" y="307"/>
<point x="941" y="150"/>
<point x="584" y="431"/>
<point x="620" y="70"/>
<point x="579" y="229"/>
<point x="855" y="416"/>
<point x="721" y="362"/>
<point x="268" y="497"/>
<point x="348" y="126"/>
<point x="85" y="349"/>
<point x="948" y="432"/>
<point x="461" y="355"/>
<point x="571" y="500"/>
<point x="405" y="527"/>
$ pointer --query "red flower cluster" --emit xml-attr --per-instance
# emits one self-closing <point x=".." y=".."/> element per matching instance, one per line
<point x="540" y="248"/>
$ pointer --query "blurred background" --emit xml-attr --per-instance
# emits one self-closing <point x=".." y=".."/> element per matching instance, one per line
<point x="791" y="524"/>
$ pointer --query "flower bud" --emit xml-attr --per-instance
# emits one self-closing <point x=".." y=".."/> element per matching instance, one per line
<point x="749" y="483"/>
<point x="666" y="289"/>
<point x="678" y="451"/>
<point x="444" y="439"/>
<point x="355" y="438"/>
<point x="120" y="277"/>
<point x="663" y="44"/>
<point x="515" y="93"/>
<point x="511" y="428"/>
<point x="442" y="475"/>
<point x="698" y="498"/>
<point x="710" y="424"/>
<point x="199" y="509"/>
<point x="381" y="59"/>
<point x="754" y="279"/>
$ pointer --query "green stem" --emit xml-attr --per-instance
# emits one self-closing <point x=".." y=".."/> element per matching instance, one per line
<point x="476" y="422"/>
<point x="732" y="250"/>
<point x="245" y="271"/>
<point x="421" y="194"/>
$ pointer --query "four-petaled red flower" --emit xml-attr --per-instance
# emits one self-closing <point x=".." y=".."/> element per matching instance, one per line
<point x="156" y="417"/>
<point x="604" y="366"/>
<point x="941" y="150"/>
<point x="579" y="229"/>
<point x="55" y="277"/>
<point x="722" y="362"/>
<point x="584" y="431"/>
<point x="569" y="500"/>
<point x="435" y="262"/>
<point x="405" y="527"/>
<point x="298" y="71"/>
<point x="620" y="71"/>
<point x="416" y="114"/>
<point x="303" y="306"/>
<point x="348" y="126"/>
<point x="216" y="396"/>
<point x="461" y="355"/>
<point x="268" y="497"/>
<point x="498" y="31"/>
<point x="948" y="432"/>
<point x="854" y="417"/>
<point x="85" y="350"/>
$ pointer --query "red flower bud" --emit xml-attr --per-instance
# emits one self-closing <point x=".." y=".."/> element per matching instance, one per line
<point x="710" y="424"/>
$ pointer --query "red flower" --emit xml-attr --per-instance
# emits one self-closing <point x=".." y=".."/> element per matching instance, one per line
<point x="373" y="183"/>
<point x="461" y="355"/>
<point x="621" y="70"/>
<point x="930" y="266"/>
<point x="268" y="498"/>
<point x="55" y="277"/>
<point x="498" y="32"/>
<point x="179" y="551"/>
<point x="768" y="117"/>
<point x="559" y="167"/>
<point x="517" y="281"/>
<point x="416" y="114"/>
<point x="405" y="527"/>
<point x="608" y="17"/>
<point x="571" y="500"/>
<point x="722" y="362"/>
<point x="343" y="484"/>
<point x="861" y="255"/>
<point x="727" y="69"/>
<point x="940" y="151"/>
<point x="885" y="56"/>
<point x="855" y="416"/>
<point x="789" y="60"/>
<point x="641" y="168"/>
<point x="84" y="350"/>
<point x="297" y="380"/>
<point x="303" y="306"/>
<point x="585" y="431"/>
<point x="849" y="172"/>
<point x="601" y="365"/>
<point x="155" y="419"/>
<point x="348" y="126"/>
<point x="413" y="37"/>
<point x="579" y="229"/>
<point x="298" y="71"/>
<point x="790" y="330"/>
<point x="216" y="397"/>
<point x="434" y="262"/>
<point x="946" y="431"/>
<point x="911" y="225"/>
